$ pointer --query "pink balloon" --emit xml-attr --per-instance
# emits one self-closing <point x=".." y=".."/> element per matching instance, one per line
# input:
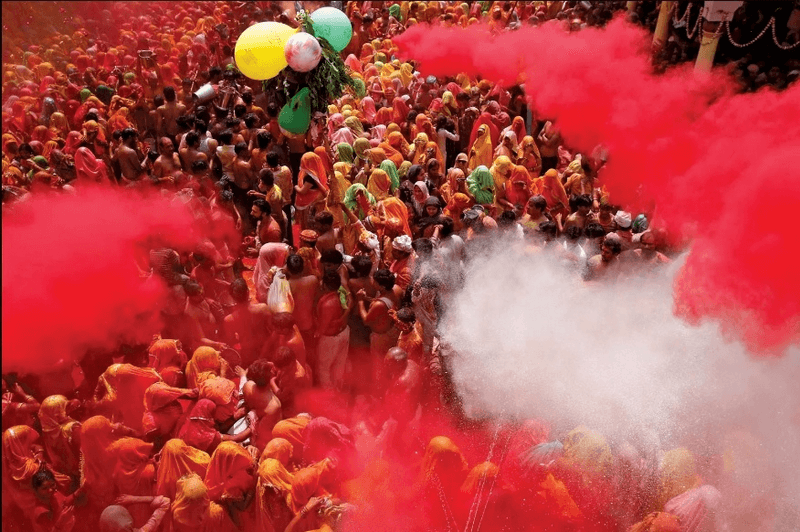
<point x="303" y="52"/>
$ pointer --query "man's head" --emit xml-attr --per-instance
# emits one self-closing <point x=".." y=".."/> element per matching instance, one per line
<point x="648" y="243"/>
<point x="537" y="206"/>
<point x="384" y="279"/>
<point x="324" y="221"/>
<point x="260" y="209"/>
<point x="273" y="159"/>
<point x="129" y="137"/>
<point x="407" y="319"/>
<point x="362" y="265"/>
<point x="240" y="292"/>
<point x="260" y="372"/>
<point x="331" y="281"/>
<point x="448" y="226"/>
<point x="241" y="150"/>
<point x="263" y="138"/>
<point x="199" y="168"/>
<point x="44" y="484"/>
<point x="395" y="363"/>
<point x="266" y="180"/>
<point x="226" y="137"/>
<point x="165" y="146"/>
<point x="308" y="238"/>
<point x="583" y="204"/>
<point x="283" y="322"/>
<point x="194" y="291"/>
<point x="295" y="264"/>
<point x="169" y="93"/>
<point x="193" y="140"/>
<point x="610" y="249"/>
<point x="285" y="360"/>
<point x="331" y="259"/>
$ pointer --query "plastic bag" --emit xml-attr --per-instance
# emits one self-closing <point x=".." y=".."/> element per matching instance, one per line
<point x="279" y="297"/>
<point x="295" y="117"/>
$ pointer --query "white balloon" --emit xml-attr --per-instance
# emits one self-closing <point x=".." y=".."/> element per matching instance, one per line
<point x="303" y="52"/>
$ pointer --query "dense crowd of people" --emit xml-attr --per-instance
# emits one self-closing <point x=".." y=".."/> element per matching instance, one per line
<point x="351" y="242"/>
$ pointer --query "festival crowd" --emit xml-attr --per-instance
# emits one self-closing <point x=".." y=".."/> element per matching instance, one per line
<point x="351" y="242"/>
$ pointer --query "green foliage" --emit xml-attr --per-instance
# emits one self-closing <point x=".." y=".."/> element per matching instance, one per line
<point x="330" y="77"/>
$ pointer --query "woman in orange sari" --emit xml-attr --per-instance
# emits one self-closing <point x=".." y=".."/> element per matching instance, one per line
<point x="168" y="359"/>
<point x="379" y="184"/>
<point x="553" y="191"/>
<point x="133" y="473"/>
<point x="97" y="436"/>
<point x="293" y="431"/>
<point x="444" y="470"/>
<point x="458" y="204"/>
<point x="193" y="511"/>
<point x="20" y="462"/>
<point x="393" y="148"/>
<point x="480" y="154"/>
<point x="176" y="460"/>
<point x="417" y="152"/>
<point x="204" y="364"/>
<point x="230" y="480"/>
<point x="60" y="434"/>
<point x="309" y="482"/>
<point x="311" y="188"/>
<point x="120" y="392"/>
<point x="273" y="485"/>
<point x="518" y="187"/>
<point x="164" y="410"/>
<point x="529" y="156"/>
<point x="432" y="151"/>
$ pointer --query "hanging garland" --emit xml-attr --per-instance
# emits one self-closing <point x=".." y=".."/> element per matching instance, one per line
<point x="328" y="80"/>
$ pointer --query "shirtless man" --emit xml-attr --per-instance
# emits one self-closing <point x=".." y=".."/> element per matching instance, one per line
<point x="131" y="165"/>
<point x="284" y="334"/>
<point x="167" y="163"/>
<point x="260" y="399"/>
<point x="167" y="114"/>
<point x="332" y="332"/>
<point x="283" y="179"/>
<point x="580" y="217"/>
<point x="403" y="379"/>
<point x="247" y="324"/>
<point x="607" y="262"/>
<point x="549" y="140"/>
<point x="376" y="316"/>
<point x="304" y="288"/>
<point x="190" y="153"/>
<point x="267" y="229"/>
<point x="326" y="236"/>
<point x="291" y="377"/>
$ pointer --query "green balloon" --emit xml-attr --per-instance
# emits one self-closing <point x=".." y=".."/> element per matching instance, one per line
<point x="295" y="117"/>
<point x="332" y="25"/>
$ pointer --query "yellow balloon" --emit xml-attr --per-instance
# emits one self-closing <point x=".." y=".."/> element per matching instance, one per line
<point x="259" y="50"/>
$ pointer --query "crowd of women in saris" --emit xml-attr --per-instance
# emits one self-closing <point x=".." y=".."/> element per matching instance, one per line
<point x="401" y="159"/>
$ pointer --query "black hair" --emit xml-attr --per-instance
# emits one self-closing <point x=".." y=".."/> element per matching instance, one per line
<point x="295" y="264"/>
<point x="263" y="206"/>
<point x="192" y="138"/>
<point x="548" y="228"/>
<point x="199" y="166"/>
<point x="240" y="147"/>
<point x="158" y="100"/>
<point x="406" y="315"/>
<point x="332" y="256"/>
<point x="423" y="247"/>
<point x="447" y="226"/>
<point x="250" y="120"/>
<point x="40" y="477"/>
<point x="273" y="158"/>
<point x="283" y="320"/>
<point x="384" y="278"/>
<point x="201" y="126"/>
<point x="259" y="372"/>
<point x="614" y="245"/>
<point x="152" y="155"/>
<point x="594" y="230"/>
<point x="247" y="97"/>
<point x="574" y="232"/>
<point x="323" y="218"/>
<point x="128" y="133"/>
<point x="362" y="265"/>
<point x="284" y="357"/>
<point x="240" y="292"/>
<point x="263" y="138"/>
<point x="272" y="109"/>
<point x="215" y="71"/>
<point x="232" y="122"/>
<point x="507" y="219"/>
<point x="539" y="202"/>
<point x="266" y="176"/>
<point x="582" y="201"/>
<point x="226" y="137"/>
<point x="239" y="110"/>
<point x="169" y="93"/>
<point x="192" y="288"/>
<point x="331" y="280"/>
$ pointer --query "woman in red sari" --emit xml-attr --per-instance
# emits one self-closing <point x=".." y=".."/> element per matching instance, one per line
<point x="230" y="480"/>
<point x="178" y="459"/>
<point x="21" y="460"/>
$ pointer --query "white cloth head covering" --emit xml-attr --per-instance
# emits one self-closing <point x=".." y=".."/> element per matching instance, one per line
<point x="623" y="219"/>
<point x="402" y="243"/>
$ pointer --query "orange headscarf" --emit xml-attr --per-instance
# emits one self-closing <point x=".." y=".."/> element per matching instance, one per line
<point x="205" y="360"/>
<point x="292" y="430"/>
<point x="19" y="461"/>
<point x="439" y="157"/>
<point x="134" y="472"/>
<point x="279" y="449"/>
<point x="391" y="148"/>
<point x="443" y="464"/>
<point x="307" y="483"/>
<point x="224" y="393"/>
<point x="379" y="184"/>
<point x="96" y="440"/>
<point x="193" y="511"/>
<point x="396" y="211"/>
<point x="230" y="473"/>
<point x="122" y="390"/>
<point x="553" y="191"/>
<point x="178" y="459"/>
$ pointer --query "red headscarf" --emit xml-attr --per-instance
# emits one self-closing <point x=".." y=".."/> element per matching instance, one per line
<point x="230" y="473"/>
<point x="199" y="430"/>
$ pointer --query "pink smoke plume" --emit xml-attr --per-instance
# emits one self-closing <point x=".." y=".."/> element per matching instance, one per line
<point x="70" y="277"/>
<point x="715" y="163"/>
